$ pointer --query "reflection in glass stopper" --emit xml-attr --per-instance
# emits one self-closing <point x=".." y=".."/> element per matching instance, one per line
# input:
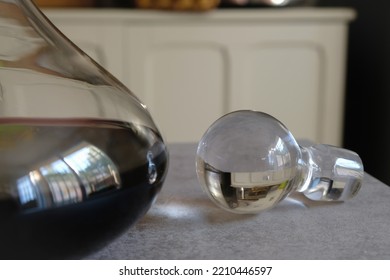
<point x="248" y="161"/>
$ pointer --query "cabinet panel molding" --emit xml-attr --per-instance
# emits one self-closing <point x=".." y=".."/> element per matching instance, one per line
<point x="190" y="69"/>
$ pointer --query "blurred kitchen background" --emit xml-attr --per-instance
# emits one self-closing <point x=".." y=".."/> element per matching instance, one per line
<point x="363" y="125"/>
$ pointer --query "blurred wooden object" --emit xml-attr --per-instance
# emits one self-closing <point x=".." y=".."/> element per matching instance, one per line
<point x="179" y="5"/>
<point x="65" y="3"/>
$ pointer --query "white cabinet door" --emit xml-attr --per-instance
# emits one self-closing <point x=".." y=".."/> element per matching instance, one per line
<point x="191" y="69"/>
<point x="191" y="75"/>
<point x="182" y="76"/>
<point x="295" y="73"/>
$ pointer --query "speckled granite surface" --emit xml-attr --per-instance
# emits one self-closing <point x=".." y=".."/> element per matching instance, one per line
<point x="184" y="224"/>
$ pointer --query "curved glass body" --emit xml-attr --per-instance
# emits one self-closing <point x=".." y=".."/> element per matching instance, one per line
<point x="248" y="161"/>
<point x="80" y="156"/>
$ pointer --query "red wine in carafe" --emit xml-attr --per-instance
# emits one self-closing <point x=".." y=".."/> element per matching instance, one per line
<point x="69" y="186"/>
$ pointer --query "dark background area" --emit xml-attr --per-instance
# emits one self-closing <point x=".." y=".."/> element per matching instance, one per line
<point x="367" y="114"/>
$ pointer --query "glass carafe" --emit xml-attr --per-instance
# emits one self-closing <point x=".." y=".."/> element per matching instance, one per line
<point x="80" y="156"/>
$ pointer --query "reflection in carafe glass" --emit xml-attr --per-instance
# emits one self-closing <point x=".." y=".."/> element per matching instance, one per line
<point x="52" y="169"/>
<point x="81" y="158"/>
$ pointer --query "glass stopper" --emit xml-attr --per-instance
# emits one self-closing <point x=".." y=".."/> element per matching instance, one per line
<point x="248" y="161"/>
